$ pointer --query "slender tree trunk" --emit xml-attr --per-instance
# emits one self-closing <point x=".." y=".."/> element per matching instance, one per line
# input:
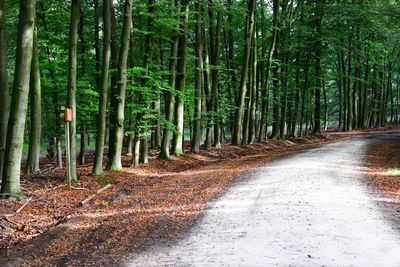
<point x="298" y="96"/>
<point x="32" y="163"/>
<point x="276" y="110"/>
<point x="253" y="88"/>
<point x="262" y="135"/>
<point x="115" y="163"/>
<point x="71" y="87"/>
<point x="326" y="117"/>
<point x="349" y="118"/>
<point x="19" y="102"/>
<point x="144" y="157"/>
<point x="340" y="89"/>
<point x="136" y="152"/>
<point x="82" y="41"/>
<point x="97" y="41"/>
<point x="230" y="63"/>
<point x="129" y="145"/>
<point x="55" y="95"/>
<point x="363" y="113"/>
<point x="207" y="92"/>
<point x="180" y="82"/>
<point x="215" y="36"/>
<point x="318" y="72"/>
<point x="101" y="123"/>
<point x="4" y="97"/>
<point x="250" y="25"/>
<point x="113" y="84"/>
<point x="169" y="100"/>
<point x="217" y="117"/>
<point x="142" y="98"/>
<point x="83" y="145"/>
<point x="156" y="135"/>
<point x="198" y="79"/>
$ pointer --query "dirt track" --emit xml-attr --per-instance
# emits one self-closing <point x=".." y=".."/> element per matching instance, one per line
<point x="309" y="209"/>
<point x="149" y="213"/>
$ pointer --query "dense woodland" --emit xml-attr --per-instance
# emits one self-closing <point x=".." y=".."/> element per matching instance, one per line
<point x="156" y="74"/>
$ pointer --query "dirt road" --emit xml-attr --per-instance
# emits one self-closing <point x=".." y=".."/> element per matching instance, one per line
<point x="309" y="209"/>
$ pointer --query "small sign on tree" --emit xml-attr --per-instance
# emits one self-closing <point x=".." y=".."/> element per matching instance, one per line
<point x="68" y="115"/>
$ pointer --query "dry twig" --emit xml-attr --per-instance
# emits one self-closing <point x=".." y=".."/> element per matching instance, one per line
<point x="87" y="200"/>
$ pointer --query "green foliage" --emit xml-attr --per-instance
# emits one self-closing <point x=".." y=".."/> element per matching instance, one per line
<point x="394" y="171"/>
<point x="107" y="180"/>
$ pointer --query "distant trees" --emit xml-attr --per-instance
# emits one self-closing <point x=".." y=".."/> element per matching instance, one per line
<point x="145" y="77"/>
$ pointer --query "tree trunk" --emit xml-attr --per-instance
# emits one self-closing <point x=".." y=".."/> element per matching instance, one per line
<point x="55" y="95"/>
<point x="105" y="66"/>
<point x="253" y="88"/>
<point x="97" y="40"/>
<point x="82" y="152"/>
<point x="169" y="100"/>
<point x="326" y="117"/>
<point x="32" y="163"/>
<point x="250" y="25"/>
<point x="318" y="54"/>
<point x="349" y="99"/>
<point x="113" y="83"/>
<point x="207" y="92"/>
<point x="144" y="150"/>
<point x="141" y="98"/>
<point x="115" y="163"/>
<point x="19" y="102"/>
<point x="262" y="135"/>
<point x="136" y="152"/>
<point x="156" y="135"/>
<point x="180" y="82"/>
<point x="71" y="87"/>
<point x="198" y="79"/>
<point x="215" y="36"/>
<point x="82" y="42"/>
<point x="4" y="97"/>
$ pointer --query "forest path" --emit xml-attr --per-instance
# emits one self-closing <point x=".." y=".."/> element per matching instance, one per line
<point x="308" y="209"/>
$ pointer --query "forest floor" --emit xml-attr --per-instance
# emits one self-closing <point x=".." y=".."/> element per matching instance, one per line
<point x="155" y="203"/>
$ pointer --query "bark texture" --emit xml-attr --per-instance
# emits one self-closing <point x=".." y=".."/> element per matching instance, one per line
<point x="19" y="101"/>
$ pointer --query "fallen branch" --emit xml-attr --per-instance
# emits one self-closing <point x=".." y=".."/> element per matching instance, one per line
<point x="49" y="189"/>
<point x="87" y="200"/>
<point x="5" y="226"/>
<point x="18" y="210"/>
<point x="79" y="188"/>
<point x="47" y="170"/>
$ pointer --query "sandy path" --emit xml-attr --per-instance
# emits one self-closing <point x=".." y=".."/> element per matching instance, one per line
<point x="309" y="209"/>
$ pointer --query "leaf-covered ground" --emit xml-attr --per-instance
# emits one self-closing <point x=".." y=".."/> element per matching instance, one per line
<point x="384" y="168"/>
<point x="154" y="204"/>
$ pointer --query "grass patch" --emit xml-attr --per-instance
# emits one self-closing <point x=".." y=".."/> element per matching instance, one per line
<point x="394" y="172"/>
<point x="107" y="180"/>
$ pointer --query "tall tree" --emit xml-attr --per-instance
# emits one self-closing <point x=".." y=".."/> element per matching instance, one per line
<point x="169" y="96"/>
<point x="250" y="27"/>
<point x="54" y="139"/>
<point x="4" y="98"/>
<point x="115" y="163"/>
<point x="198" y="79"/>
<point x="71" y="87"/>
<point x="101" y="124"/>
<point x="319" y="8"/>
<point x="262" y="135"/>
<point x="19" y="102"/>
<point x="177" y="146"/>
<point x="32" y="163"/>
